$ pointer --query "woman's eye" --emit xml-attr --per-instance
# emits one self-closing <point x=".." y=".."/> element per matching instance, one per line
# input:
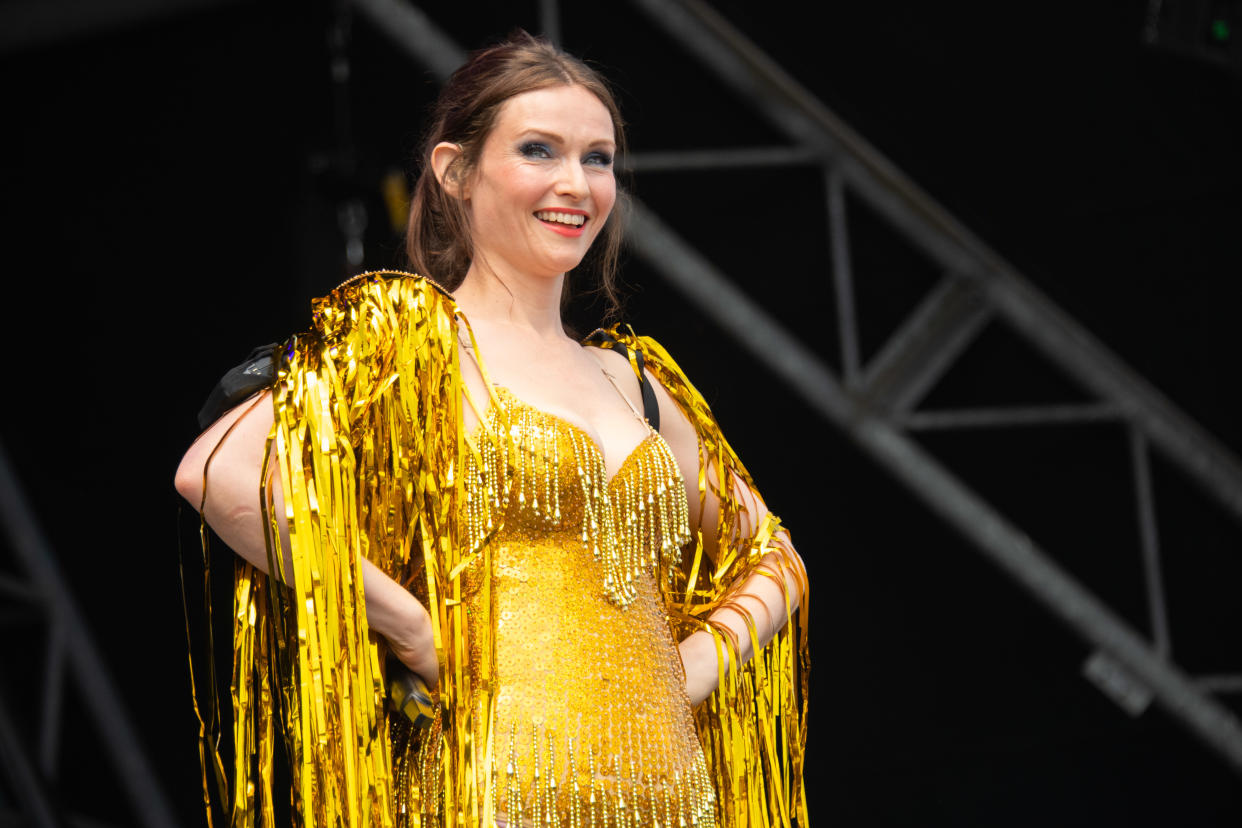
<point x="535" y="150"/>
<point x="599" y="159"/>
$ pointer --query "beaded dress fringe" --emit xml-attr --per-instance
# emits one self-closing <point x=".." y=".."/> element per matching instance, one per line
<point x="630" y="531"/>
<point x="753" y="728"/>
<point x="565" y="536"/>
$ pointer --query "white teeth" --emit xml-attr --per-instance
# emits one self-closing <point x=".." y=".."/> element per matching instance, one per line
<point x="561" y="218"/>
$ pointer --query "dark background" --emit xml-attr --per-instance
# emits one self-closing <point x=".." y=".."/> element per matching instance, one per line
<point x="170" y="201"/>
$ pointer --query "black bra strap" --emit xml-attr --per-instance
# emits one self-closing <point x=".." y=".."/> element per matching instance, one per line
<point x="651" y="406"/>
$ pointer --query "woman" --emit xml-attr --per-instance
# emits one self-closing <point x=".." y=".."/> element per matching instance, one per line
<point x="600" y="606"/>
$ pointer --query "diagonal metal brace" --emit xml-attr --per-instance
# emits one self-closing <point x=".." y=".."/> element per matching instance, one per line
<point x="924" y="347"/>
<point x="944" y="494"/>
<point x="927" y="225"/>
<point x="999" y="541"/>
<point x="100" y="695"/>
<point x="28" y="788"/>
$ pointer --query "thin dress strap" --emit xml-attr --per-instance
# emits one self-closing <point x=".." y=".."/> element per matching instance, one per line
<point x="651" y="406"/>
<point x="472" y="348"/>
<point x="625" y="397"/>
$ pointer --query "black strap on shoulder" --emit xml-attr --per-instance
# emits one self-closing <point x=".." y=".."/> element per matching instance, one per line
<point x="255" y="374"/>
<point x="651" y="406"/>
<point x="258" y="372"/>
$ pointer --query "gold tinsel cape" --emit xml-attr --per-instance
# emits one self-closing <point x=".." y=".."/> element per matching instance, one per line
<point x="367" y="446"/>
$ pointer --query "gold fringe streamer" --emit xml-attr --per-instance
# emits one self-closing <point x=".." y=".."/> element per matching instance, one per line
<point x="753" y="728"/>
<point x="369" y="449"/>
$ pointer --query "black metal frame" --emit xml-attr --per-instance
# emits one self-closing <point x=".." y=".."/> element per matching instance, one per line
<point x="875" y="403"/>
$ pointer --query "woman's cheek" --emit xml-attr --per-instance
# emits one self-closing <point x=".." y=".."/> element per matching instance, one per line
<point x="606" y="197"/>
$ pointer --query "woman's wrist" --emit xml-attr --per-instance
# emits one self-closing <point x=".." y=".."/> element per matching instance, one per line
<point x="412" y="642"/>
<point x="403" y="622"/>
<point x="411" y="637"/>
<point x="702" y="662"/>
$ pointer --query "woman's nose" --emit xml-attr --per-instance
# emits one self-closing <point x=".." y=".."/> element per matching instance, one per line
<point x="572" y="180"/>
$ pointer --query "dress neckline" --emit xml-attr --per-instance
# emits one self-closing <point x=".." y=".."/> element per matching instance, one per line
<point x="515" y="400"/>
<point x="493" y="390"/>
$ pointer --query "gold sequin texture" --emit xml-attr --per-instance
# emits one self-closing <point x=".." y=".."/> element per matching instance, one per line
<point x="556" y="597"/>
<point x="587" y="672"/>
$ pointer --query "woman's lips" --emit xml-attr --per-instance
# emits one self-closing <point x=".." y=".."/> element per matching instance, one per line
<point x="565" y="222"/>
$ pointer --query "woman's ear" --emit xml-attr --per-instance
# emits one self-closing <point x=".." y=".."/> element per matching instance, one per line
<point x="445" y="163"/>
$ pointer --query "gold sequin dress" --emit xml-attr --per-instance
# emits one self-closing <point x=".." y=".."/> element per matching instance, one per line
<point x="591" y="713"/>
<point x="556" y="596"/>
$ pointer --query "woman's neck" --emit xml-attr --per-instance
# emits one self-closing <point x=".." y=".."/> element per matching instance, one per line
<point x="531" y="303"/>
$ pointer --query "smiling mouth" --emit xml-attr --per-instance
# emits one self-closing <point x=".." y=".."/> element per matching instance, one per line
<point x="567" y="219"/>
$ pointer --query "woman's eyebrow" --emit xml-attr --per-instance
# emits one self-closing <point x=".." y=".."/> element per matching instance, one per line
<point x="542" y="133"/>
<point x="559" y="139"/>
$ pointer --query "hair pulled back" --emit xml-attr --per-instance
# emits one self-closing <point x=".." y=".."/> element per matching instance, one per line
<point x="438" y="240"/>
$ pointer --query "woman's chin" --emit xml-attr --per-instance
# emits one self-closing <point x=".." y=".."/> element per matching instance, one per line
<point x="561" y="265"/>
<point x="562" y="258"/>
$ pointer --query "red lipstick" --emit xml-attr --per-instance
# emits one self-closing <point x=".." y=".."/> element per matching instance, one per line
<point x="564" y="229"/>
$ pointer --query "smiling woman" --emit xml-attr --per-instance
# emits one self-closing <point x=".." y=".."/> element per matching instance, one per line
<point x="600" y="620"/>
<point x="440" y="241"/>
<point x="545" y="166"/>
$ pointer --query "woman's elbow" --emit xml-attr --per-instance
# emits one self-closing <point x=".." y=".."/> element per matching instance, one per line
<point x="230" y="498"/>
<point x="793" y="568"/>
<point x="189" y="478"/>
<point x="802" y="584"/>
<point x="233" y="447"/>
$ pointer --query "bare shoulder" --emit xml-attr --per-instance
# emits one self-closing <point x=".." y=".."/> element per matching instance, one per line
<point x="616" y="365"/>
<point x="613" y="360"/>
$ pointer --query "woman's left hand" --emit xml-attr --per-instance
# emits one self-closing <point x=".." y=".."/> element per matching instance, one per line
<point x="699" y="658"/>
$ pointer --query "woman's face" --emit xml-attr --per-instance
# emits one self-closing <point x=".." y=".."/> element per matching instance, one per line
<point x="544" y="183"/>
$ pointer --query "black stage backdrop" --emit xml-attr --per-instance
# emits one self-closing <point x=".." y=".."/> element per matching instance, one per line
<point x="171" y="199"/>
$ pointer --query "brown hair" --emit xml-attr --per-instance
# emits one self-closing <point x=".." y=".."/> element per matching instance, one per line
<point x="437" y="238"/>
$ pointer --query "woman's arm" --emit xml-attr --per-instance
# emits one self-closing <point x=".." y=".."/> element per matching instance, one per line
<point x="767" y="598"/>
<point x="228" y="457"/>
<point x="762" y="599"/>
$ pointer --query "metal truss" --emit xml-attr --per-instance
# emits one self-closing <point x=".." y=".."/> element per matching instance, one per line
<point x="875" y="403"/>
<point x="31" y="769"/>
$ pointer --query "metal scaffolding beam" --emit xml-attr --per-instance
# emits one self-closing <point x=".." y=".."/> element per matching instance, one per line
<point x="1005" y="545"/>
<point x="932" y="229"/>
<point x="979" y="285"/>
<point x="873" y="403"/>
<point x="27" y="785"/>
<point x="924" y="347"/>
<point x="70" y="649"/>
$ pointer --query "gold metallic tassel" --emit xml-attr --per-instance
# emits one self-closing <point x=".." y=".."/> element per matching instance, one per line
<point x="366" y="444"/>
<point x="372" y="460"/>
<point x="753" y="728"/>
